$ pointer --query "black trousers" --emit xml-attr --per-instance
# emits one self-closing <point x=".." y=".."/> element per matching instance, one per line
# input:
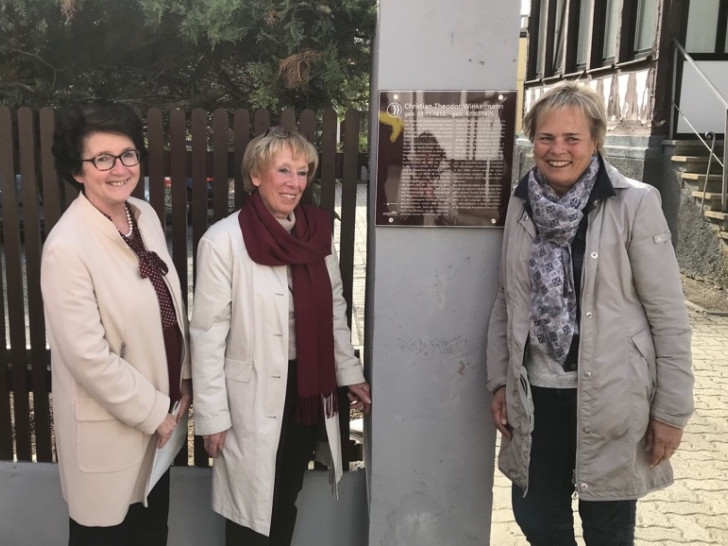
<point x="141" y="526"/>
<point x="295" y="450"/>
<point x="545" y="514"/>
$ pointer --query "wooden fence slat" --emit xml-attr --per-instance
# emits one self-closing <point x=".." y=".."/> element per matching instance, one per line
<point x="155" y="162"/>
<point x="307" y="125"/>
<point x="328" y="162"/>
<point x="348" y="204"/>
<point x="307" y="131"/>
<point x="36" y="325"/>
<point x="220" y="168"/>
<point x="7" y="178"/>
<point x="139" y="189"/>
<point x="6" y="430"/>
<point x="16" y="307"/>
<point x="346" y="242"/>
<point x="241" y="130"/>
<point x="198" y="201"/>
<point x="178" y="190"/>
<point x="288" y="119"/>
<point x="261" y="123"/>
<point x="51" y="185"/>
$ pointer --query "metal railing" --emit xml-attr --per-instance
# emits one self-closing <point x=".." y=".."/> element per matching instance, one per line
<point x="679" y="51"/>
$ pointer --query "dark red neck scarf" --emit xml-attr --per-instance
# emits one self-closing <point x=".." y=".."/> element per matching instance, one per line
<point x="304" y="250"/>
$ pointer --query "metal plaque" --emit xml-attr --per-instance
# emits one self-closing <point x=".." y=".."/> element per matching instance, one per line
<point x="444" y="158"/>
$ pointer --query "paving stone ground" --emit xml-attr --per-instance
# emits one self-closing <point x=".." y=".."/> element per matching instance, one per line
<point x="694" y="510"/>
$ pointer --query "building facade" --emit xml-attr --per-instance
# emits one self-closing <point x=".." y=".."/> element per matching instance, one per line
<point x="662" y="68"/>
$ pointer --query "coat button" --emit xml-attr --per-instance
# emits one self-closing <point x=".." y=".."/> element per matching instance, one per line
<point x="588" y="314"/>
<point x="584" y="487"/>
<point x="587" y="374"/>
<point x="594" y="254"/>
<point x="586" y="430"/>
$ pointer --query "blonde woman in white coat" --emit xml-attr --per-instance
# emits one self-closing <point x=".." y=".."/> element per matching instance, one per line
<point x="270" y="344"/>
<point x="117" y="329"/>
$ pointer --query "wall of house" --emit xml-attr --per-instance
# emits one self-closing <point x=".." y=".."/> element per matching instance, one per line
<point x="629" y="145"/>
<point x="701" y="102"/>
<point x="627" y="98"/>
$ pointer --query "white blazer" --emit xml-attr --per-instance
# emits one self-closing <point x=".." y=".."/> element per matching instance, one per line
<point x="108" y="361"/>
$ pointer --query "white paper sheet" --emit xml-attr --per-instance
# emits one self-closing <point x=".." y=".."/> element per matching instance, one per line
<point x="164" y="456"/>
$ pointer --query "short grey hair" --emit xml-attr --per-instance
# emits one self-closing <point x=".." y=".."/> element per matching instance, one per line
<point x="570" y="94"/>
<point x="262" y="149"/>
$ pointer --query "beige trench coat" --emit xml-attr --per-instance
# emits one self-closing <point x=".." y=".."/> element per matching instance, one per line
<point x="634" y="343"/>
<point x="108" y="361"/>
<point x="239" y="342"/>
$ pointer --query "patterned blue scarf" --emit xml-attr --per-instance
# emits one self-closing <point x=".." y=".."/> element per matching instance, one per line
<point x="553" y="298"/>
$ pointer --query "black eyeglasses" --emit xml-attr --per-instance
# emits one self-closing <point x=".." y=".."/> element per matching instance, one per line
<point x="106" y="162"/>
<point x="279" y="132"/>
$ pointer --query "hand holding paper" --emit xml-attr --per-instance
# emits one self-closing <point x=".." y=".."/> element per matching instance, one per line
<point x="168" y="449"/>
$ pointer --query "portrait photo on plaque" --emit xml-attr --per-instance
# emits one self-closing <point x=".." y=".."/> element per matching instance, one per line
<point x="444" y="158"/>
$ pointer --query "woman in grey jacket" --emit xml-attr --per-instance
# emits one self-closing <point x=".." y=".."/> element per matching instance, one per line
<point x="589" y="343"/>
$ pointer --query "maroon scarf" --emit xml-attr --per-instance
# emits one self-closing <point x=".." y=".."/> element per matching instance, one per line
<point x="304" y="250"/>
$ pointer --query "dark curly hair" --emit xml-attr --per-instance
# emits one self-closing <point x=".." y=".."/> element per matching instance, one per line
<point x="76" y="122"/>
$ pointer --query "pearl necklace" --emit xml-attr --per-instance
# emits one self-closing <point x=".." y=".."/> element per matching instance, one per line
<point x="129" y="221"/>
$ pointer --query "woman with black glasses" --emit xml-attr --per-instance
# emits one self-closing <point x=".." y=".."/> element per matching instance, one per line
<point x="117" y="330"/>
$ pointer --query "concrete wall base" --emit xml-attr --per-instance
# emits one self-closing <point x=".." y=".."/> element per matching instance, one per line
<point x="34" y="512"/>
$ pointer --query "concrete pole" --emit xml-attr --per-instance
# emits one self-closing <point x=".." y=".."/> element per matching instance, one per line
<point x="430" y="448"/>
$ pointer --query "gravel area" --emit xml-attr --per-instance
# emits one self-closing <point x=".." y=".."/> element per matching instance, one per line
<point x="705" y="296"/>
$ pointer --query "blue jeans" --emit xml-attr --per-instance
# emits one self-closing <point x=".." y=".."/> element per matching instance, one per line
<point x="545" y="515"/>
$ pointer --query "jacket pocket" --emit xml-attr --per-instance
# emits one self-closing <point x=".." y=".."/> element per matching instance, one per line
<point x="646" y="367"/>
<point x="644" y="380"/>
<point x="103" y="443"/>
<point x="238" y="370"/>
<point x="520" y="405"/>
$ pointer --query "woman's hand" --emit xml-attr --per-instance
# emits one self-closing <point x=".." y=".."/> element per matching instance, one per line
<point x="661" y="441"/>
<point x="214" y="443"/>
<point x="360" y="397"/>
<point x="164" y="431"/>
<point x="499" y="413"/>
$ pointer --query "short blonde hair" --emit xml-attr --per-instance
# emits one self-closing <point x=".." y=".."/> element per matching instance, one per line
<point x="570" y="94"/>
<point x="262" y="149"/>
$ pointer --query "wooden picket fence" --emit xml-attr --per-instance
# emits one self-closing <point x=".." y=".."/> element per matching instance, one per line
<point x="192" y="178"/>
